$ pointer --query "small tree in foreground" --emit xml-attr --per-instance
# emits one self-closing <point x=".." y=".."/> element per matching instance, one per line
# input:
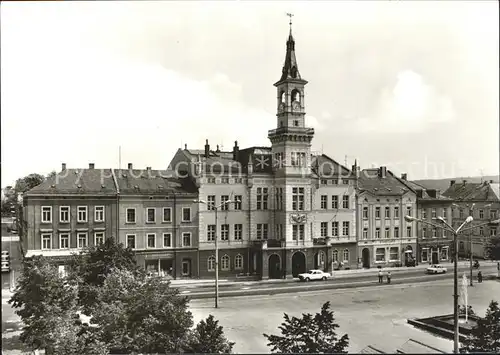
<point x="485" y="337"/>
<point x="208" y="338"/>
<point x="309" y="334"/>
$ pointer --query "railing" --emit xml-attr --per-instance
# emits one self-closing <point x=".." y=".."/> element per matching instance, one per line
<point x="292" y="130"/>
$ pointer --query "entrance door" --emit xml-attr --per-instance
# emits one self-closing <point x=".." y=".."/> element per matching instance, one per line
<point x="365" y="254"/>
<point x="274" y="266"/>
<point x="186" y="267"/>
<point x="166" y="267"/>
<point x="298" y="263"/>
<point x="435" y="257"/>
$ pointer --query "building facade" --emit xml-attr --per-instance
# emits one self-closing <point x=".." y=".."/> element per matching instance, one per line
<point x="385" y="238"/>
<point x="482" y="202"/>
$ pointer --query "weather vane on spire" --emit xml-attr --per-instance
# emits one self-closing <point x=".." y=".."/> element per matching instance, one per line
<point x="290" y="15"/>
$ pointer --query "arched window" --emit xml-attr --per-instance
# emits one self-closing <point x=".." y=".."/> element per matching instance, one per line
<point x="335" y="256"/>
<point x="321" y="258"/>
<point x="211" y="263"/>
<point x="295" y="95"/>
<point x="238" y="262"/>
<point x="224" y="263"/>
<point x="282" y="96"/>
<point x="346" y="255"/>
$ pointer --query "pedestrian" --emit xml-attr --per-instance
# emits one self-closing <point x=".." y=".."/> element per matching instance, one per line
<point x="388" y="277"/>
<point x="480" y="276"/>
<point x="380" y="276"/>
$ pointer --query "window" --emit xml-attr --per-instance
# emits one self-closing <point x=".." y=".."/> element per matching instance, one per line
<point x="461" y="213"/>
<point x="481" y="230"/>
<point x="424" y="233"/>
<point x="262" y="231"/>
<point x="444" y="253"/>
<point x="46" y="214"/>
<point x="377" y="212"/>
<point x="377" y="233"/>
<point x="493" y="214"/>
<point x="302" y="230"/>
<point x="324" y="182"/>
<point x="167" y="240"/>
<point x="224" y="206"/>
<point x="186" y="214"/>
<point x="345" y="201"/>
<point x="461" y="246"/>
<point x="294" y="159"/>
<point x="64" y="241"/>
<point x="324" y="229"/>
<point x="262" y="197"/>
<point x="130" y="215"/>
<point x="321" y="258"/>
<point x="224" y="265"/>
<point x="99" y="214"/>
<point x="82" y="240"/>
<point x="365" y="212"/>
<point x="186" y="239"/>
<point x="324" y="202"/>
<point x="131" y="241"/>
<point x="224" y="180"/>
<point x="238" y="202"/>
<point x="211" y="232"/>
<point x="47" y="241"/>
<point x="445" y="213"/>
<point x="365" y="233"/>
<point x="335" y="201"/>
<point x="345" y="228"/>
<point x="434" y="233"/>
<point x="150" y="215"/>
<point x="396" y="212"/>
<point x="387" y="212"/>
<point x="380" y="254"/>
<point x="424" y="213"/>
<point x="335" y="256"/>
<point x="481" y="214"/>
<point x="167" y="214"/>
<point x="298" y="198"/>
<point x="211" y="180"/>
<point x="346" y="255"/>
<point x="63" y="214"/>
<point x="425" y="255"/>
<point x="238" y="262"/>
<point x="279" y="231"/>
<point x="387" y="232"/>
<point x="279" y="198"/>
<point x="151" y="240"/>
<point x="238" y="231"/>
<point x="335" y="182"/>
<point x="298" y="232"/>
<point x="211" y="202"/>
<point x="238" y="180"/>
<point x="394" y="253"/>
<point x="408" y="211"/>
<point x="335" y="229"/>
<point x="493" y="232"/>
<point x="211" y="263"/>
<point x="295" y="123"/>
<point x="82" y="213"/>
<point x="224" y="232"/>
<point x="408" y="232"/>
<point x="98" y="238"/>
<point x="345" y="181"/>
<point x="396" y="232"/>
<point x="434" y="213"/>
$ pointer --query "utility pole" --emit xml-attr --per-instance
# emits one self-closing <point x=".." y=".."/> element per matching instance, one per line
<point x="471" y="212"/>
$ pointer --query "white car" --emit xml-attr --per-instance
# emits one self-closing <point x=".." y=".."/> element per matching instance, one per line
<point x="312" y="275"/>
<point x="436" y="269"/>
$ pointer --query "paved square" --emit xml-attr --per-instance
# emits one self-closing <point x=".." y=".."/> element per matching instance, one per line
<point x="370" y="316"/>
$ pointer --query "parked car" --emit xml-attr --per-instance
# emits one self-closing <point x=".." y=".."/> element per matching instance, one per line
<point x="312" y="275"/>
<point x="436" y="269"/>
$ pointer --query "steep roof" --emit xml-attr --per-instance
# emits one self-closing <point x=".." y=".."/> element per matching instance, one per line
<point x="473" y="191"/>
<point x="324" y="166"/>
<point x="370" y="180"/>
<point x="78" y="182"/>
<point x="152" y="182"/>
<point x="425" y="194"/>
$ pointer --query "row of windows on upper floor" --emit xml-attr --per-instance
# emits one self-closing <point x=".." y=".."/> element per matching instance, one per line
<point x="387" y="212"/>
<point x="82" y="214"/>
<point x="239" y="180"/>
<point x="477" y="214"/>
<point x="388" y="233"/>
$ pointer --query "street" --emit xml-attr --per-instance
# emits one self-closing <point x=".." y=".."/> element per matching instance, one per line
<point x="373" y="315"/>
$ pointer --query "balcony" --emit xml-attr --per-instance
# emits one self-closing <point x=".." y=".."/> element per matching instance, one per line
<point x="290" y="130"/>
<point x="320" y="241"/>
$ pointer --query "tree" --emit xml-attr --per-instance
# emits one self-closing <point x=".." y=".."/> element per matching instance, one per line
<point x="309" y="334"/>
<point x="139" y="314"/>
<point x="208" y="338"/>
<point x="90" y="268"/>
<point x="493" y="248"/>
<point x="485" y="337"/>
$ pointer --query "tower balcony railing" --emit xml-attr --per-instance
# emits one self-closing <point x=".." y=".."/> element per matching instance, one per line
<point x="290" y="130"/>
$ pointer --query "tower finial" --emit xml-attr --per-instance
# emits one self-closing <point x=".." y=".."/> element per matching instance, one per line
<point x="290" y="15"/>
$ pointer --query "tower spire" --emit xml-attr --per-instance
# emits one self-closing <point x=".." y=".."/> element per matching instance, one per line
<point x="290" y="15"/>
<point x="290" y="68"/>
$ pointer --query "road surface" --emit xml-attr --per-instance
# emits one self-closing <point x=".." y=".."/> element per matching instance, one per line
<point x="373" y="315"/>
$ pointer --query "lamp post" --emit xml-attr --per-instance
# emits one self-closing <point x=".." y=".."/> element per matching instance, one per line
<point x="216" y="208"/>
<point x="446" y="225"/>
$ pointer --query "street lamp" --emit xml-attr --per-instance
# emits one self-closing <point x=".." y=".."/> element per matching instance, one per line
<point x="455" y="232"/>
<point x="216" y="208"/>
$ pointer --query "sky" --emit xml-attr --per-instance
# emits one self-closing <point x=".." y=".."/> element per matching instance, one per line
<point x="406" y="84"/>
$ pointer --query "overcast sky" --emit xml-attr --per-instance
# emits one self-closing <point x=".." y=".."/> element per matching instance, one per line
<point x="410" y="85"/>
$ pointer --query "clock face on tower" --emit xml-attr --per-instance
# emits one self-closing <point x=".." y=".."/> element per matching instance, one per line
<point x="296" y="106"/>
<point x="281" y="107"/>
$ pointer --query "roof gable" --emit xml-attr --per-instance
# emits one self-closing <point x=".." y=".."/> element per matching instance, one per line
<point x="324" y="166"/>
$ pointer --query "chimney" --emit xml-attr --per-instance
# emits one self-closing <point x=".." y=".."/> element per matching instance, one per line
<point x="129" y="166"/>
<point x="404" y="176"/>
<point x="464" y="182"/>
<point x="218" y="150"/>
<point x="383" y="172"/>
<point x="185" y="147"/>
<point x="452" y="182"/>
<point x="91" y="165"/>
<point x="63" y="166"/>
<point x="236" y="151"/>
<point x="207" y="149"/>
<point x="148" y="168"/>
<point x="491" y="181"/>
<point x="438" y="193"/>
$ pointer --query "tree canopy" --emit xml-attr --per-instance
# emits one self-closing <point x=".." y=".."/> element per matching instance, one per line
<point x="485" y="337"/>
<point x="493" y="248"/>
<point x="208" y="338"/>
<point x="309" y="334"/>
